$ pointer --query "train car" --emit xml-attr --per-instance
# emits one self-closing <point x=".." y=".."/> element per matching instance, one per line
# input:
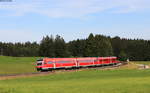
<point x="45" y="64"/>
<point x="62" y="63"/>
<point x="89" y="61"/>
<point x="107" y="60"/>
<point x="65" y="62"/>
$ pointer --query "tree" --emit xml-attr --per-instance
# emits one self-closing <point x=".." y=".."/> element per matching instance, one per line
<point x="93" y="46"/>
<point x="76" y="48"/>
<point x="122" y="56"/>
<point x="60" y="47"/>
<point x="47" y="47"/>
<point x="103" y="46"/>
<point x="90" y="46"/>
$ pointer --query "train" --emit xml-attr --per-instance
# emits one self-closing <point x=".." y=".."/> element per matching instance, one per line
<point x="49" y="64"/>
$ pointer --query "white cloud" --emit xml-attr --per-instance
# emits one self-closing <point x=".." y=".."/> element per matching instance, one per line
<point x="74" y="8"/>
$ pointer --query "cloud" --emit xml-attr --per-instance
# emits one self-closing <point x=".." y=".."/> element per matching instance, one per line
<point x="73" y="8"/>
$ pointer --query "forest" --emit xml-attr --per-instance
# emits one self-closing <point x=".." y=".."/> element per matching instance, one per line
<point x="92" y="46"/>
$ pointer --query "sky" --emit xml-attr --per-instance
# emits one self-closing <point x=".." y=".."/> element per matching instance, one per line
<point x="30" y="20"/>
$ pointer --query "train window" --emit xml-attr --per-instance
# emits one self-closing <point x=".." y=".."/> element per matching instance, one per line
<point x="63" y="61"/>
<point x="105" y="60"/>
<point x="40" y="60"/>
<point x="85" y="60"/>
<point x="39" y="64"/>
<point x="49" y="62"/>
<point x="114" y="59"/>
<point x="95" y="60"/>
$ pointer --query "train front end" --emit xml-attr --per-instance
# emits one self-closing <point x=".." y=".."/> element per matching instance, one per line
<point x="39" y="64"/>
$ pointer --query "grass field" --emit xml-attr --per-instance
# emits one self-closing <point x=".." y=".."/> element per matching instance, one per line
<point x="13" y="65"/>
<point x="127" y="79"/>
<point x="90" y="81"/>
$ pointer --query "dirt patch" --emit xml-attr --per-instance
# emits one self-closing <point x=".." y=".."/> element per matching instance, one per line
<point x="129" y="65"/>
<point x="143" y="66"/>
<point x="13" y="76"/>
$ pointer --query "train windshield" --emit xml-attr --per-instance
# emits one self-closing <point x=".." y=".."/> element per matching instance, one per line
<point x="39" y="62"/>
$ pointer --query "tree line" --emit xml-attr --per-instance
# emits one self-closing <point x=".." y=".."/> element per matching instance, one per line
<point x="92" y="46"/>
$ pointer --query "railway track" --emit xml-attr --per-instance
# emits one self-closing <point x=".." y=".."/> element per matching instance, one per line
<point x="11" y="76"/>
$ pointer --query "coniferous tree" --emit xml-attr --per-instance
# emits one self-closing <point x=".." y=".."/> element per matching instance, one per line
<point x="76" y="48"/>
<point x="93" y="46"/>
<point x="103" y="46"/>
<point x="47" y="47"/>
<point x="60" y="47"/>
<point x="90" y="46"/>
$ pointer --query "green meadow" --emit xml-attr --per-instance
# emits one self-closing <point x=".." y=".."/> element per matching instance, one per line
<point x="89" y="81"/>
<point x="126" y="79"/>
<point x="15" y="65"/>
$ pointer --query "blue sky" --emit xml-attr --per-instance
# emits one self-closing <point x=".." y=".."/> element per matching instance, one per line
<point x="30" y="20"/>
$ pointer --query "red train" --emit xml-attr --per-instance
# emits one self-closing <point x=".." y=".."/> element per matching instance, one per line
<point x="58" y="63"/>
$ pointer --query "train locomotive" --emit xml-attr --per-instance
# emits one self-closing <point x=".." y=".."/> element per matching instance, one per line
<point x="49" y="64"/>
